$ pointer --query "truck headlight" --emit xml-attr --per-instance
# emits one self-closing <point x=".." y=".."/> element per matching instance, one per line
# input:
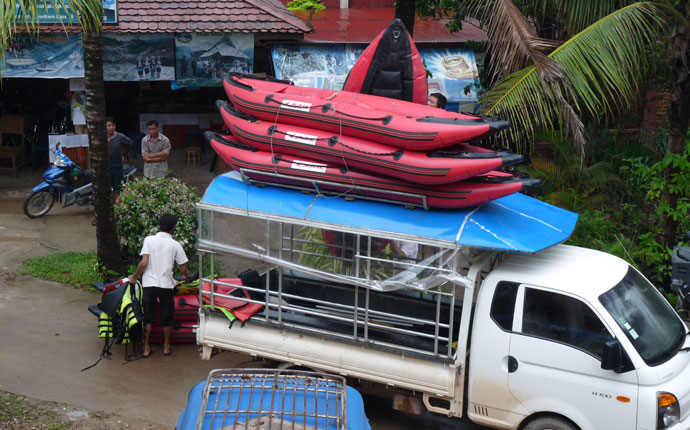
<point x="668" y="413"/>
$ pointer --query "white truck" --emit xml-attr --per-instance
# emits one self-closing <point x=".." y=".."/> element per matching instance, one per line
<point x="479" y="312"/>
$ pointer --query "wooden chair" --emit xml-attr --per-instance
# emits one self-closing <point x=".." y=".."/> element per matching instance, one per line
<point x="192" y="156"/>
<point x="12" y="141"/>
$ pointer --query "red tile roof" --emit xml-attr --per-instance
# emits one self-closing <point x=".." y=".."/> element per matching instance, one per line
<point x="364" y="24"/>
<point x="205" y="16"/>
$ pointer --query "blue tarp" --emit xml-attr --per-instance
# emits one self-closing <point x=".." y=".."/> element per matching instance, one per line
<point x="516" y="223"/>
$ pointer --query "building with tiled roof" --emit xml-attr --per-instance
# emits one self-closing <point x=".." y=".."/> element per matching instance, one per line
<point x="205" y="16"/>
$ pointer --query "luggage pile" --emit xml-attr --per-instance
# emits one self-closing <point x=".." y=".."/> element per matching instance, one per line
<point x="361" y="145"/>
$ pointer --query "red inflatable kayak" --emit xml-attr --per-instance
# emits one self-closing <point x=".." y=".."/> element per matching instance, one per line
<point x="396" y="123"/>
<point x="308" y="174"/>
<point x="390" y="67"/>
<point x="363" y="155"/>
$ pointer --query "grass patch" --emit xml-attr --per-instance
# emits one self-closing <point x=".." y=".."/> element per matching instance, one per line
<point x="15" y="407"/>
<point x="76" y="268"/>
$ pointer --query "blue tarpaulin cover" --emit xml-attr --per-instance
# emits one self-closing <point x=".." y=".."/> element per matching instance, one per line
<point x="516" y="223"/>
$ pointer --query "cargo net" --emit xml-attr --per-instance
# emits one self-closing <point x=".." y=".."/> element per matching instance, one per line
<point x="261" y="399"/>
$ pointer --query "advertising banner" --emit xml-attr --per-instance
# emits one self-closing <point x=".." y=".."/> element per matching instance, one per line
<point x="317" y="66"/>
<point x="56" y="55"/>
<point x="138" y="57"/>
<point x="54" y="13"/>
<point x="204" y="60"/>
<point x="454" y="71"/>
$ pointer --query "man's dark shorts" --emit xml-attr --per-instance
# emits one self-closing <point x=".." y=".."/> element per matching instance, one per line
<point x="167" y="305"/>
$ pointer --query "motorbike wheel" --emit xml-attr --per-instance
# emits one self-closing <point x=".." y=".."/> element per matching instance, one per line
<point x="38" y="204"/>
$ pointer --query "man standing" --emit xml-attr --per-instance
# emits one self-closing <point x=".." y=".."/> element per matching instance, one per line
<point x="154" y="150"/>
<point x="158" y="256"/>
<point x="119" y="145"/>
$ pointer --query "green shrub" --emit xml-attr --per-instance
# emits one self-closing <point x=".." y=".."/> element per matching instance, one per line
<point x="144" y="201"/>
<point x="305" y="5"/>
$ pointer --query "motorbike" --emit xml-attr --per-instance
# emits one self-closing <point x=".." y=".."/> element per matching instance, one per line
<point x="64" y="181"/>
<point x="680" y="278"/>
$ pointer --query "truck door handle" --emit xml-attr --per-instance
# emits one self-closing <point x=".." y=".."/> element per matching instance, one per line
<point x="512" y="364"/>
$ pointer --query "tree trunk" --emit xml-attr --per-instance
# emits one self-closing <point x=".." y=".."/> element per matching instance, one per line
<point x="679" y="110"/>
<point x="405" y="11"/>
<point x="106" y="233"/>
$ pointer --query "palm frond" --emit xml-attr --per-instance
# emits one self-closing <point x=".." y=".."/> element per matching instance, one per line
<point x="603" y="63"/>
<point x="513" y="41"/>
<point x="580" y="14"/>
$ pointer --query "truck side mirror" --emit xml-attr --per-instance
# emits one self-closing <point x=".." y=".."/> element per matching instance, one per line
<point x="613" y="357"/>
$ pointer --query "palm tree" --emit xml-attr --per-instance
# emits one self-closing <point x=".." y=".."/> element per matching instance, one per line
<point x="594" y="70"/>
<point x="89" y="15"/>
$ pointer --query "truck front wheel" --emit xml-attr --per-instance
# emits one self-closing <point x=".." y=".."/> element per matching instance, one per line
<point x="549" y="423"/>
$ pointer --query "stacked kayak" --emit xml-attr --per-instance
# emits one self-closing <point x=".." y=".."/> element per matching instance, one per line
<point x="397" y="123"/>
<point x="361" y="145"/>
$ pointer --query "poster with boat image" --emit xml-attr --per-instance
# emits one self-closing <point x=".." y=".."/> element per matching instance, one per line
<point x="204" y="60"/>
<point x="138" y="57"/>
<point x="453" y="73"/>
<point x="317" y="66"/>
<point x="56" y="55"/>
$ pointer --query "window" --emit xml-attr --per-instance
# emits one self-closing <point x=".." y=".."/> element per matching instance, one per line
<point x="563" y="319"/>
<point x="503" y="305"/>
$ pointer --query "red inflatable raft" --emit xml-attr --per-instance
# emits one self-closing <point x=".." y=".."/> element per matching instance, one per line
<point x="305" y="173"/>
<point x="393" y="122"/>
<point x="366" y="156"/>
<point x="391" y="67"/>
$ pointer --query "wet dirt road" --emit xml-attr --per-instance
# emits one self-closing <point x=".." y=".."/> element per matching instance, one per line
<point x="48" y="335"/>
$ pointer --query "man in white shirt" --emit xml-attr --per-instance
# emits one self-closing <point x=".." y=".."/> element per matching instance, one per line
<point x="159" y="254"/>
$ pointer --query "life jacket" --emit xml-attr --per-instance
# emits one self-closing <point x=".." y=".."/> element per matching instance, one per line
<point x="121" y="318"/>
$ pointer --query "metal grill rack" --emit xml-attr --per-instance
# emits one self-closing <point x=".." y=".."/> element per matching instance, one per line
<point x="266" y="399"/>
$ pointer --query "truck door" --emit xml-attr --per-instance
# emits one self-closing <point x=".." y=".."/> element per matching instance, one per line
<point x="556" y="348"/>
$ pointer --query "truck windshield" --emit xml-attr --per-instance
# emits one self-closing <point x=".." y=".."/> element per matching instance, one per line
<point x="646" y="318"/>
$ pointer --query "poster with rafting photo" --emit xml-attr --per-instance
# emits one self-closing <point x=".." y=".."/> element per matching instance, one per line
<point x="317" y="66"/>
<point x="204" y="60"/>
<point x="138" y="57"/>
<point x="56" y="55"/>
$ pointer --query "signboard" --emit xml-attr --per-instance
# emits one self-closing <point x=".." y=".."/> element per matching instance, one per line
<point x="204" y="60"/>
<point x="454" y="71"/>
<point x="58" y="55"/>
<point x="138" y="57"/>
<point x="54" y="13"/>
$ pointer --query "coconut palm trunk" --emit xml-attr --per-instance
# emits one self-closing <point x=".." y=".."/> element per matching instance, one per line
<point x="106" y="233"/>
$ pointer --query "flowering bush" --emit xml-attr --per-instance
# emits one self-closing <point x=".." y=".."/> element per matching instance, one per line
<point x="144" y="201"/>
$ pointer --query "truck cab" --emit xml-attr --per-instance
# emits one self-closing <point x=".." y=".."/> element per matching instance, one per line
<point x="577" y="335"/>
<point x="479" y="312"/>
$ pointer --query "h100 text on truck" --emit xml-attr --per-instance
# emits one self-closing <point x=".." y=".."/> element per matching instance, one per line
<point x="479" y="311"/>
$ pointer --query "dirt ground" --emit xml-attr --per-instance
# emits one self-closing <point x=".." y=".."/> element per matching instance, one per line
<point x="48" y="336"/>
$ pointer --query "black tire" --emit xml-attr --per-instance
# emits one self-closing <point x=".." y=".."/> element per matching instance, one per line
<point x="549" y="423"/>
<point x="39" y="203"/>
